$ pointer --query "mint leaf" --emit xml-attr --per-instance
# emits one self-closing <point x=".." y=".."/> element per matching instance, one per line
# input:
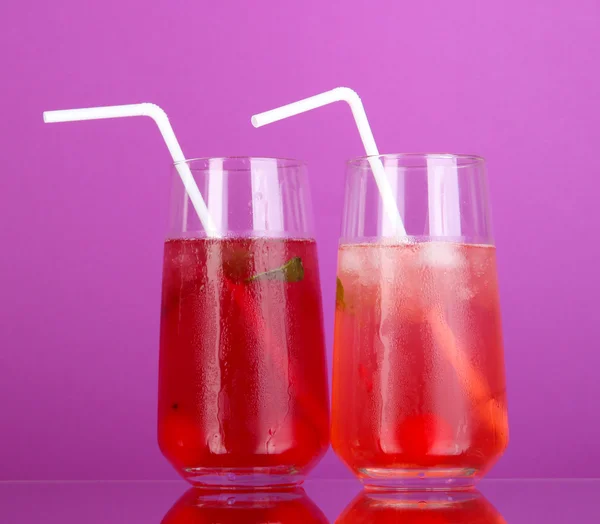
<point x="237" y="264"/>
<point x="339" y="294"/>
<point x="291" y="271"/>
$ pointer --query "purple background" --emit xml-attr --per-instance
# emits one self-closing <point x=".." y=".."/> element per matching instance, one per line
<point x="83" y="207"/>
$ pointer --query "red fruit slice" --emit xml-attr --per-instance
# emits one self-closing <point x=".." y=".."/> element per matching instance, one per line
<point x="418" y="434"/>
<point x="181" y="440"/>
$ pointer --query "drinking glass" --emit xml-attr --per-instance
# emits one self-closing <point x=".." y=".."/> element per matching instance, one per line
<point x="419" y="393"/>
<point x="242" y="395"/>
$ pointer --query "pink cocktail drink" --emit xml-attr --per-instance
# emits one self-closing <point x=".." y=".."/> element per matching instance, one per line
<point x="419" y="387"/>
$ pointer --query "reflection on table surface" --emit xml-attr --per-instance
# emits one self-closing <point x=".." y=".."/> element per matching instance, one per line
<point x="199" y="507"/>
<point x="431" y="508"/>
<point x="320" y="501"/>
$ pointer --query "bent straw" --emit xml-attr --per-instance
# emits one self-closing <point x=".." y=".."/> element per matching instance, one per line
<point x="344" y="94"/>
<point x="162" y="121"/>
<point x="470" y="378"/>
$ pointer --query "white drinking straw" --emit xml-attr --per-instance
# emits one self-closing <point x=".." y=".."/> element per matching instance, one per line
<point x="345" y="94"/>
<point x="162" y="121"/>
<point x="442" y="331"/>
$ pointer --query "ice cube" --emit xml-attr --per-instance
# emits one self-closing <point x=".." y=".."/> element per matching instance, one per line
<point x="442" y="255"/>
<point x="362" y="259"/>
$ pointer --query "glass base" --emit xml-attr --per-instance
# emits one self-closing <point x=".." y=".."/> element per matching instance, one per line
<point x="275" y="478"/>
<point x="431" y="479"/>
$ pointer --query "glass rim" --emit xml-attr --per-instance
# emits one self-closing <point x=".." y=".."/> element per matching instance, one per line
<point x="463" y="160"/>
<point x="282" y="162"/>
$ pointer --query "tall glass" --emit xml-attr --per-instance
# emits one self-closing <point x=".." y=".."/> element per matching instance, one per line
<point x="243" y="396"/>
<point x="419" y="392"/>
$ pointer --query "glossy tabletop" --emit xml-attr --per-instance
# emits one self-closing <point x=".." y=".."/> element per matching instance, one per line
<point x="511" y="501"/>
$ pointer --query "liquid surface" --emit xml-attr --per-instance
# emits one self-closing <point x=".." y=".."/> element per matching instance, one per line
<point x="242" y="379"/>
<point x="418" y="359"/>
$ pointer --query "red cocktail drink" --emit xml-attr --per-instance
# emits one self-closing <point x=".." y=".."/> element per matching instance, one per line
<point x="242" y="386"/>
